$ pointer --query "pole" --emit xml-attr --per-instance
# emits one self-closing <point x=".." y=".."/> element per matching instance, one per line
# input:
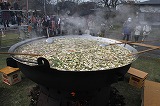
<point x="44" y="7"/>
<point x="27" y="11"/>
<point x="57" y="8"/>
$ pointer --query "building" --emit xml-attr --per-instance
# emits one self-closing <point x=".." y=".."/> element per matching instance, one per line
<point x="149" y="11"/>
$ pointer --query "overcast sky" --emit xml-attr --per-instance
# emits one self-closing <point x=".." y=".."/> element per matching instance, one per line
<point x="142" y="0"/>
<point x="137" y="0"/>
<point x="89" y="0"/>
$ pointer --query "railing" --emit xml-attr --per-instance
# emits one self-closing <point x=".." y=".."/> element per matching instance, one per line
<point x="11" y="35"/>
<point x="14" y="34"/>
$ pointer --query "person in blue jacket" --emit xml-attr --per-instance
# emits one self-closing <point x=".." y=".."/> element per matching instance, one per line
<point x="126" y="33"/>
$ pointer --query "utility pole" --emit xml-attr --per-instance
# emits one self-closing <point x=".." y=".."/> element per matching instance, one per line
<point x="57" y="8"/>
<point x="27" y="11"/>
<point x="44" y="7"/>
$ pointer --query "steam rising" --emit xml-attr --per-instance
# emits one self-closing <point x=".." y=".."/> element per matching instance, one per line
<point x="96" y="23"/>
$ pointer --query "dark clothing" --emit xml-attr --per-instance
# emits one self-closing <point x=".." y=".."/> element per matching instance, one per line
<point x="5" y="14"/>
<point x="5" y="5"/>
<point x="136" y="37"/>
<point x="45" y="25"/>
<point x="19" y="20"/>
<point x="126" y="36"/>
<point x="13" y="19"/>
<point x="16" y="6"/>
<point x="12" y="13"/>
<point x="127" y="30"/>
<point x="127" y="33"/>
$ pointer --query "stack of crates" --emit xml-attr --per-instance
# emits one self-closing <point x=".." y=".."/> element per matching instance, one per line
<point x="10" y="75"/>
<point x="137" y="77"/>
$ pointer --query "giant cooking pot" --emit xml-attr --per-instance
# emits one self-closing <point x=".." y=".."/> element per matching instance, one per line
<point x="42" y="74"/>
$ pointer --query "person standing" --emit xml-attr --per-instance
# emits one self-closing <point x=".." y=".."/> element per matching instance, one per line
<point x="13" y="15"/>
<point x="52" y="27"/>
<point x="34" y="22"/>
<point x="146" y="31"/>
<point x="59" y="26"/>
<point x="5" y="5"/>
<point x="137" y="32"/>
<point x="126" y="33"/>
<point x="45" y="26"/>
<point x="127" y="29"/>
<point x="19" y="19"/>
<point x="62" y="27"/>
<point x="16" y="5"/>
<point x="91" y="27"/>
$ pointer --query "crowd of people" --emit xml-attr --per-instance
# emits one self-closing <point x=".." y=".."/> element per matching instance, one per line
<point x="8" y="13"/>
<point x="53" y="25"/>
<point x="135" y="31"/>
<point x="42" y="25"/>
<point x="12" y="14"/>
<point x="46" y="25"/>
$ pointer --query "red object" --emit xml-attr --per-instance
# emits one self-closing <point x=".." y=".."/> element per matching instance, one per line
<point x="73" y="93"/>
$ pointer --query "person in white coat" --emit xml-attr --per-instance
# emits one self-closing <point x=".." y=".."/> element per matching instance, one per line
<point x="146" y="31"/>
<point x="137" y="32"/>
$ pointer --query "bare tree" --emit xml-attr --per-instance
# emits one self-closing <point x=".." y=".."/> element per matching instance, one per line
<point x="108" y="4"/>
<point x="112" y="4"/>
<point x="76" y="1"/>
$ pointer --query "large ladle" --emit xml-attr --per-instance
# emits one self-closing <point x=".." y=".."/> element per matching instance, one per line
<point x="126" y="42"/>
<point x="14" y="53"/>
<point x="143" y="51"/>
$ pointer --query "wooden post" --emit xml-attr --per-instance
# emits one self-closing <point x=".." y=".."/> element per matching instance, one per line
<point x="57" y="8"/>
<point x="44" y="7"/>
<point x="27" y="12"/>
<point x="0" y="38"/>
